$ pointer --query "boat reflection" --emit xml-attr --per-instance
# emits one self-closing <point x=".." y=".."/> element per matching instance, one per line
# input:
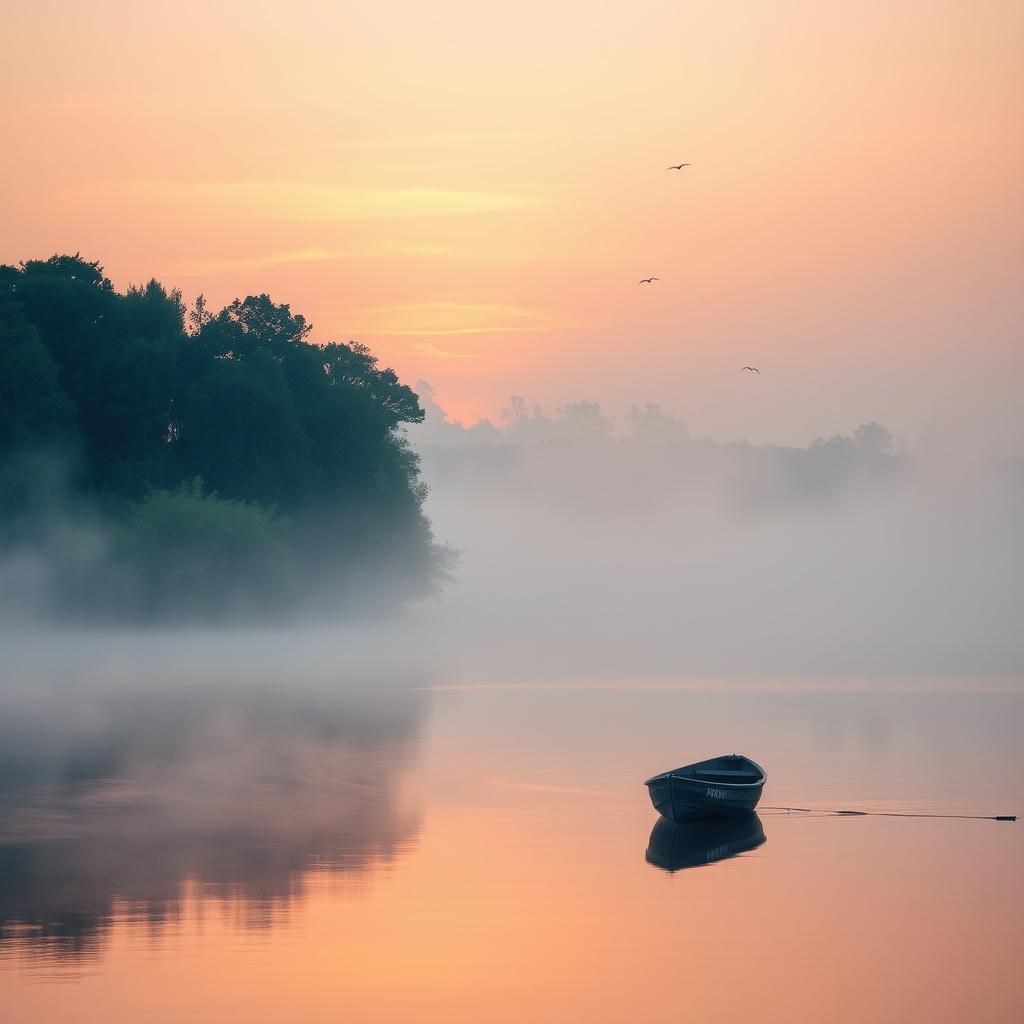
<point x="117" y="806"/>
<point x="674" y="846"/>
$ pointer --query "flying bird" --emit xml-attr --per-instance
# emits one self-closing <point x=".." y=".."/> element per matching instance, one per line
<point x="677" y="167"/>
<point x="753" y="368"/>
<point x="648" y="280"/>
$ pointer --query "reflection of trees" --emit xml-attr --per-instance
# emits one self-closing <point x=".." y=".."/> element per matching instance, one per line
<point x="112" y="806"/>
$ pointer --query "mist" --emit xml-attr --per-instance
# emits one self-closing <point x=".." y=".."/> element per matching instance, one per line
<point x="139" y="771"/>
<point x="188" y="558"/>
<point x="592" y="549"/>
<point x="164" y="465"/>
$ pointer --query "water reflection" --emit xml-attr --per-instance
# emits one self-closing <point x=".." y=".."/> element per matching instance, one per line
<point x="115" y="804"/>
<point x="674" y="846"/>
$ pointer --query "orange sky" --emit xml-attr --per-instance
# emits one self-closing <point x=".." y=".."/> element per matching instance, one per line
<point x="474" y="189"/>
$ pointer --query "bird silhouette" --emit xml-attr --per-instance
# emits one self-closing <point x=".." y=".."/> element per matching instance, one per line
<point x="754" y="368"/>
<point x="648" y="280"/>
<point x="677" y="167"/>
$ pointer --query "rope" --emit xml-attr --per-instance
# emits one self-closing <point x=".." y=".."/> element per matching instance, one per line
<point x="892" y="814"/>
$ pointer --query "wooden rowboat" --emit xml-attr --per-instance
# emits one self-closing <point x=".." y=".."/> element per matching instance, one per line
<point x="718" y="787"/>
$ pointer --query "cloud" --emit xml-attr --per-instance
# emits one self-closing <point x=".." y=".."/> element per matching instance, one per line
<point x="313" y="201"/>
<point x="426" y="349"/>
<point x="227" y="266"/>
<point x="428" y="319"/>
<point x="416" y="249"/>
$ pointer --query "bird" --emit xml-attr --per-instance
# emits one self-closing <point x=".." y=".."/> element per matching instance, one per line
<point x="648" y="280"/>
<point x="754" y="368"/>
<point x="677" y="167"/>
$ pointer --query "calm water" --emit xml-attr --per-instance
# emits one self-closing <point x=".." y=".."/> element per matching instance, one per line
<point x="330" y="849"/>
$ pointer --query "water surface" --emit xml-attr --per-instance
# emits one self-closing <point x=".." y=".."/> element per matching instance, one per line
<point x="383" y="849"/>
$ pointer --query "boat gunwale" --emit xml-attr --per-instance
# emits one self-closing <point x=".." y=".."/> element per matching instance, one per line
<point x="669" y="775"/>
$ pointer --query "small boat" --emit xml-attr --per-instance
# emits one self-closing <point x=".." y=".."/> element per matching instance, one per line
<point x="692" y="844"/>
<point x="715" y="788"/>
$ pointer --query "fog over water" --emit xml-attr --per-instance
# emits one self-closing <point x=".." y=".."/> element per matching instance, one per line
<point x="437" y="813"/>
<point x="594" y="550"/>
<point x="122" y="786"/>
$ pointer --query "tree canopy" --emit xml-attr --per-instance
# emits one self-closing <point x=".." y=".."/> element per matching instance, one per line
<point x="163" y="408"/>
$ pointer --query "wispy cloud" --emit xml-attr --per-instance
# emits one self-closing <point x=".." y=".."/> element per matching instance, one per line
<point x="227" y="266"/>
<point x="428" y="319"/>
<point x="427" y="141"/>
<point x="415" y="249"/>
<point x="301" y="200"/>
<point x="424" y="348"/>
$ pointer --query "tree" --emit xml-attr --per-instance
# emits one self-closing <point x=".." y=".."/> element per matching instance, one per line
<point x="116" y="358"/>
<point x="873" y="439"/>
<point x="194" y="546"/>
<point x="242" y="399"/>
<point x="237" y="430"/>
<point x="33" y="408"/>
<point x="585" y="419"/>
<point x="652" y="423"/>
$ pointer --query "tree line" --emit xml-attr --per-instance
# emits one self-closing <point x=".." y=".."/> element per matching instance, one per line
<point x="231" y="458"/>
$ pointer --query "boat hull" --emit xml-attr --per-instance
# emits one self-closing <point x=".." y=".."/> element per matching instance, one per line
<point x="682" y="797"/>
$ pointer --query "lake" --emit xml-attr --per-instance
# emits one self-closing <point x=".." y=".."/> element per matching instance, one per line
<point x="316" y="844"/>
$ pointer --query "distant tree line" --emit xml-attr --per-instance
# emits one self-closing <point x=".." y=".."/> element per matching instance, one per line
<point x="579" y="454"/>
<point x="232" y="459"/>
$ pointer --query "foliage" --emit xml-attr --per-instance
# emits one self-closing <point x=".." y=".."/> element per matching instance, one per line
<point x="154" y="398"/>
<point x="32" y="404"/>
<point x="194" y="548"/>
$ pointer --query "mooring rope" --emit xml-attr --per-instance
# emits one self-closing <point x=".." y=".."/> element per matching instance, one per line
<point x="891" y="814"/>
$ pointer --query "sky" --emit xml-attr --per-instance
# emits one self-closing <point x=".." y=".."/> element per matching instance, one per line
<point x="474" y="190"/>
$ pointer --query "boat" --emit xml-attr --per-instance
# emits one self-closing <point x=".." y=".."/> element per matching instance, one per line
<point x="692" y="844"/>
<point x="719" y="787"/>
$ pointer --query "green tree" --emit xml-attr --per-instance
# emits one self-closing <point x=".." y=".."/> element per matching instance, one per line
<point x="33" y="408"/>
<point x="238" y="430"/>
<point x="194" y="549"/>
<point x="116" y="357"/>
<point x="240" y="398"/>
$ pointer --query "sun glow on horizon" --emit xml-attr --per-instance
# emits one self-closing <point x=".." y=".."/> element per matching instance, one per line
<point x="476" y="192"/>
